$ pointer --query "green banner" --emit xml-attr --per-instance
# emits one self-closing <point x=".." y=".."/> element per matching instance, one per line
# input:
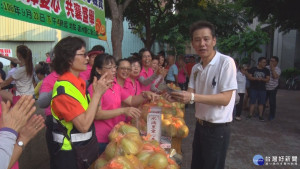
<point x="82" y="17"/>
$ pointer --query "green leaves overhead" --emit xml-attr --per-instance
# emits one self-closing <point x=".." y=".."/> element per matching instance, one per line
<point x="283" y="14"/>
<point x="247" y="41"/>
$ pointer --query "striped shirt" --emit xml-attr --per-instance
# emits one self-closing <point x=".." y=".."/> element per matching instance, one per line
<point x="273" y="83"/>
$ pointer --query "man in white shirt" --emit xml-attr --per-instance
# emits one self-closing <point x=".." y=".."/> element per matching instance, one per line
<point x="271" y="86"/>
<point x="212" y="87"/>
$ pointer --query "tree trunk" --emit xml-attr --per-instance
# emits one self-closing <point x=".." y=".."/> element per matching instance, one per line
<point x="148" y="43"/>
<point x="117" y="31"/>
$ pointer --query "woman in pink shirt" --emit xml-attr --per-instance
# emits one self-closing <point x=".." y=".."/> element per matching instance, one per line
<point x="147" y="75"/>
<point x="182" y="73"/>
<point x="110" y="112"/>
<point x="135" y="88"/>
<point x="98" y="49"/>
<point x="129" y="85"/>
<point x="161" y="76"/>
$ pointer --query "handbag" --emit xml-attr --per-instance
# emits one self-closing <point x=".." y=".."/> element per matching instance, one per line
<point x="86" y="154"/>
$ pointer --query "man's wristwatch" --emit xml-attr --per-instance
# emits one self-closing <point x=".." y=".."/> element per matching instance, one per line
<point x="21" y="144"/>
<point x="192" y="101"/>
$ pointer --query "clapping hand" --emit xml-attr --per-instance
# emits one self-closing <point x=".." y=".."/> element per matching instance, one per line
<point x="16" y="117"/>
<point x="100" y="86"/>
<point x="32" y="127"/>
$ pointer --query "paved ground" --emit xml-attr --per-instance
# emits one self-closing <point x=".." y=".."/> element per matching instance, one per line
<point x="249" y="137"/>
<point x="279" y="137"/>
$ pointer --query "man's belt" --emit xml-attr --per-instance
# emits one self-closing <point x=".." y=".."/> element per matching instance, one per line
<point x="209" y="124"/>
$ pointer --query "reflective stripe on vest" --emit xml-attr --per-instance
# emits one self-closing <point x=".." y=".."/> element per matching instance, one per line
<point x="65" y="87"/>
<point x="57" y="137"/>
<point x="78" y="137"/>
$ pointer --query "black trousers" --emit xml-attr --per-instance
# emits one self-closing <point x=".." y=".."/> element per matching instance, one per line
<point x="271" y="95"/>
<point x="210" y="146"/>
<point x="239" y="106"/>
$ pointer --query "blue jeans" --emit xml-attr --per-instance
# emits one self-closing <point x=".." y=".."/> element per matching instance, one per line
<point x="271" y="95"/>
<point x="210" y="146"/>
<point x="257" y="95"/>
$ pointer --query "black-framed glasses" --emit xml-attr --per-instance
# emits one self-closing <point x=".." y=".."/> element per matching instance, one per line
<point x="82" y="54"/>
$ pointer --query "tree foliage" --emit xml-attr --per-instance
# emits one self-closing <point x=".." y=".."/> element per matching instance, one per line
<point x="175" y="40"/>
<point x="248" y="41"/>
<point x="283" y="14"/>
<point x="228" y="17"/>
<point x="149" y="19"/>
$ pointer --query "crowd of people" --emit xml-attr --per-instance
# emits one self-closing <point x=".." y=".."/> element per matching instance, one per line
<point x="259" y="85"/>
<point x="76" y="89"/>
<point x="85" y="94"/>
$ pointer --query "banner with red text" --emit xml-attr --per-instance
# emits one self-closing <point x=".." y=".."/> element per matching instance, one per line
<point x="82" y="17"/>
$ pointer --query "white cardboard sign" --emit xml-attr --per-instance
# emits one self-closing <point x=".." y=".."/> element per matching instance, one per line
<point x="154" y="123"/>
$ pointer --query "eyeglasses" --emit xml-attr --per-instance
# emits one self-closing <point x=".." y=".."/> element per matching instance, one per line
<point x="82" y="54"/>
<point x="136" y="66"/>
<point x="125" y="69"/>
<point x="111" y="67"/>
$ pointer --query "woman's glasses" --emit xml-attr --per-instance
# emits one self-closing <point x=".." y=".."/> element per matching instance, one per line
<point x="82" y="54"/>
<point x="125" y="69"/>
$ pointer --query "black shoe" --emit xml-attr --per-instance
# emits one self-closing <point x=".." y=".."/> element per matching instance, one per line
<point x="261" y="119"/>
<point x="271" y="118"/>
<point x="249" y="117"/>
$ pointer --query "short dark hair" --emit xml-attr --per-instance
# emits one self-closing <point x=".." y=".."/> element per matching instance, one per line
<point x="13" y="64"/>
<point x="261" y="58"/>
<point x="162" y="53"/>
<point x="121" y="60"/>
<point x="43" y="69"/>
<point x="276" y="58"/>
<point x="133" y="60"/>
<point x="64" y="52"/>
<point x="200" y="25"/>
<point x="135" y="54"/>
<point x="98" y="48"/>
<point x="155" y="57"/>
<point x="100" y="60"/>
<point x="142" y="51"/>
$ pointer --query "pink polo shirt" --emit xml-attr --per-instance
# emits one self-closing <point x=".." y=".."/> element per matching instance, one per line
<point x="131" y="88"/>
<point x="110" y="100"/>
<point x="47" y="86"/>
<point x="146" y="75"/>
<point x="48" y="60"/>
<point x="85" y="75"/>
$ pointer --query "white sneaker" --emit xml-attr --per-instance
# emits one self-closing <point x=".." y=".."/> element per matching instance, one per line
<point x="238" y="118"/>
